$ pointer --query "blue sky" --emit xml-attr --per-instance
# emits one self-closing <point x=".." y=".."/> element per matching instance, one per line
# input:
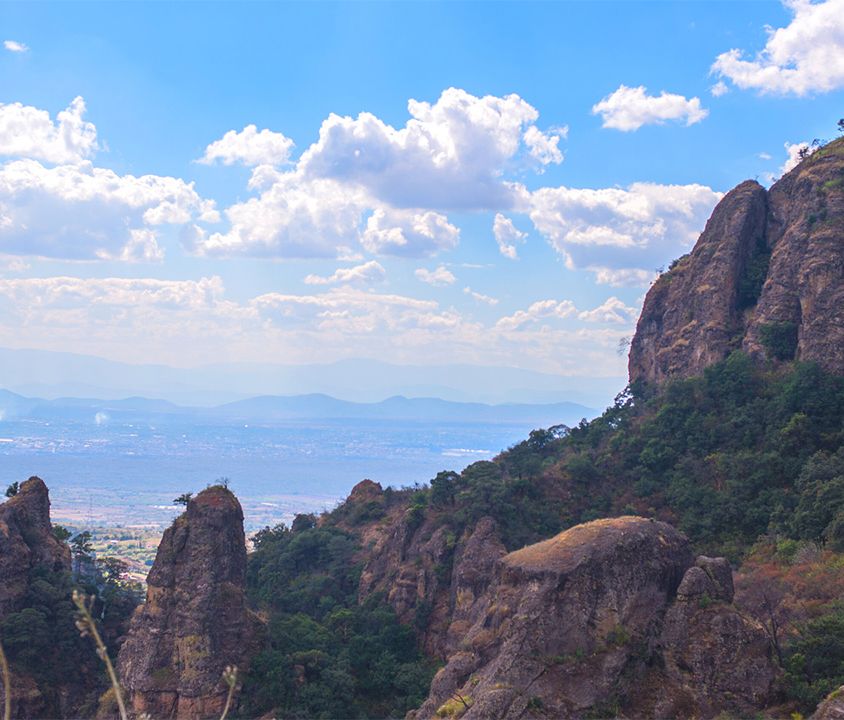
<point x="492" y="183"/>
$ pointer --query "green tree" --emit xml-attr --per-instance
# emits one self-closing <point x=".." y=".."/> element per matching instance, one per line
<point x="12" y="490"/>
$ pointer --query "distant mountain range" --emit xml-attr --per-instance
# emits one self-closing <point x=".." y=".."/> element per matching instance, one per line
<point x="39" y="373"/>
<point x="271" y="408"/>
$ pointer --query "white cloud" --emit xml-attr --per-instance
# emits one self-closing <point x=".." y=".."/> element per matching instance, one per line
<point x="28" y="132"/>
<point x="764" y="156"/>
<point x="290" y="219"/>
<point x="507" y="235"/>
<point x="630" y="108"/>
<point x="612" y="310"/>
<point x="15" y="46"/>
<point x="187" y="321"/>
<point x="408" y="233"/>
<point x="249" y="147"/>
<point x="622" y="277"/>
<point x="365" y="274"/>
<point x="440" y="276"/>
<point x="643" y="225"/>
<point x="450" y="154"/>
<point x="804" y="57"/>
<point x="367" y="185"/>
<point x="545" y="147"/>
<point x="793" y="151"/>
<point x="540" y="310"/>
<point x="480" y="297"/>
<point x="80" y="212"/>
<point x="719" y="89"/>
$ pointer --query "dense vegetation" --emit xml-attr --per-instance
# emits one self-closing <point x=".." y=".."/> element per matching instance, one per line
<point x="727" y="457"/>
<point x="326" y="656"/>
<point x="740" y="458"/>
<point x="42" y="641"/>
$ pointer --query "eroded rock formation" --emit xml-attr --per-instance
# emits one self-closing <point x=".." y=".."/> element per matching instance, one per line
<point x="195" y="621"/>
<point x="765" y="276"/>
<point x="26" y="541"/>
<point x="577" y="624"/>
<point x="433" y="580"/>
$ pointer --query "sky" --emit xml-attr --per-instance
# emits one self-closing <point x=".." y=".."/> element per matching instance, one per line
<point x="421" y="183"/>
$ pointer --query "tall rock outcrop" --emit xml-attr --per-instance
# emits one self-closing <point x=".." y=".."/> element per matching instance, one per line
<point x="26" y="541"/>
<point x="195" y="621"/>
<point x="606" y="619"/>
<point x="766" y="276"/>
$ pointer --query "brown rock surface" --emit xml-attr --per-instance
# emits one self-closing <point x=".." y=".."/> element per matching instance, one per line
<point x="832" y="708"/>
<point x="195" y="621"/>
<point x="691" y="316"/>
<point x="706" y="305"/>
<point x="714" y="660"/>
<point x="805" y="283"/>
<point x="424" y="568"/>
<point x="566" y="623"/>
<point x="26" y="540"/>
<point x="609" y="619"/>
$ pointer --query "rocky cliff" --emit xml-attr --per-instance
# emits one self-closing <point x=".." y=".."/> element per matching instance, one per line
<point x="27" y="541"/>
<point x="195" y="621"/>
<point x="765" y="276"/>
<point x="614" y="616"/>
<point x="433" y="579"/>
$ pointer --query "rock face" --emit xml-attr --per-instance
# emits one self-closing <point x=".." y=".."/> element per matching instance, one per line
<point x="832" y="708"/>
<point x="591" y="622"/>
<point x="766" y="276"/>
<point x="713" y="658"/>
<point x="26" y="540"/>
<point x="195" y="621"/>
<point x="432" y="579"/>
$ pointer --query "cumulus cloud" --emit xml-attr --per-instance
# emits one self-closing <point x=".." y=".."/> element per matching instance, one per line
<point x="630" y="108"/>
<point x="480" y="297"/>
<point x="408" y="233"/>
<point x="612" y="310"/>
<point x="720" y="88"/>
<point x="545" y="147"/>
<point x="450" y="154"/>
<point x="365" y="274"/>
<point x="249" y="147"/>
<point x="507" y="236"/>
<point x="643" y="225"/>
<point x="15" y="46"/>
<point x="440" y="276"/>
<point x="806" y="56"/>
<point x="289" y="219"/>
<point x="365" y="184"/>
<point x="80" y="212"/>
<point x="793" y="151"/>
<point x="26" y="131"/>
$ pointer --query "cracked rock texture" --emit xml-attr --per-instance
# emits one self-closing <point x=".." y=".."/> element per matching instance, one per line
<point x="195" y="620"/>
<point x="592" y="622"/>
<point x="764" y="277"/>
